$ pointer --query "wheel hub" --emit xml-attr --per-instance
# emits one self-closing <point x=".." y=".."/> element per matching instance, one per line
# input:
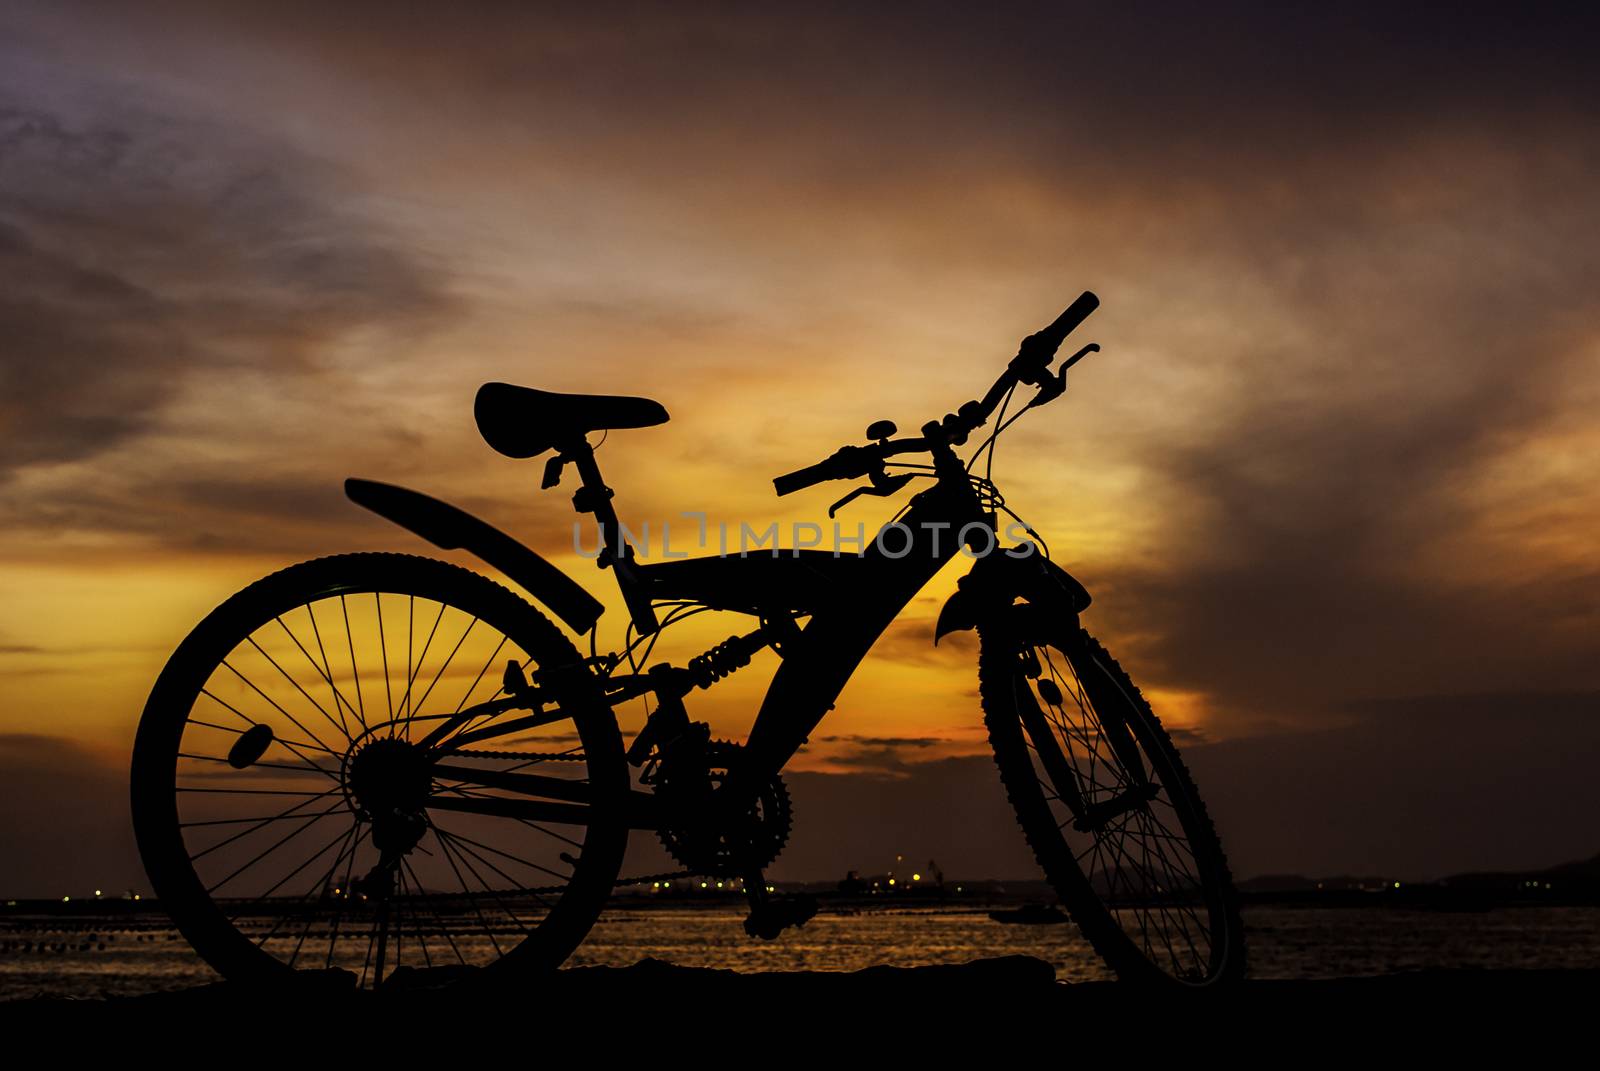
<point x="389" y="777"/>
<point x="388" y="781"/>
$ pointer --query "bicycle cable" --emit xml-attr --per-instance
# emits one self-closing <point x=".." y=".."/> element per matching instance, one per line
<point x="990" y="443"/>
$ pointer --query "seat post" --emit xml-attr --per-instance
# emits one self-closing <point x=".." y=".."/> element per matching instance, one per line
<point x="593" y="496"/>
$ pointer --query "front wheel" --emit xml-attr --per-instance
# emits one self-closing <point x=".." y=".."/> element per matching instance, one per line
<point x="1107" y="805"/>
<point x="298" y="804"/>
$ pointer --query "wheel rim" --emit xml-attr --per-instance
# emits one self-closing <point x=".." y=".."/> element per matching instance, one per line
<point x="1137" y="841"/>
<point x="321" y="849"/>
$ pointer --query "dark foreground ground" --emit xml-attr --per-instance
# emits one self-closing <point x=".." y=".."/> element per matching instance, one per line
<point x="1004" y="1006"/>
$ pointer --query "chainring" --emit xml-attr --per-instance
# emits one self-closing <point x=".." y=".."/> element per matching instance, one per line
<point x="734" y="849"/>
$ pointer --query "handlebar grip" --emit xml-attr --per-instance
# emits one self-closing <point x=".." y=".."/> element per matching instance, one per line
<point x="847" y="463"/>
<point x="800" y="479"/>
<point x="1039" y="349"/>
<point x="1069" y="320"/>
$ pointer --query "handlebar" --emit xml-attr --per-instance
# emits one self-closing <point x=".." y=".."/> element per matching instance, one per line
<point x="1030" y="365"/>
<point x="846" y="463"/>
<point x="811" y="475"/>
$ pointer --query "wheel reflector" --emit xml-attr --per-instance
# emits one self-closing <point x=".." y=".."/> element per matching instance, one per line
<point x="250" y="746"/>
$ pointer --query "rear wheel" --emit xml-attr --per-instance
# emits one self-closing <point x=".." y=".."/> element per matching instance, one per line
<point x="291" y="814"/>
<point x="1108" y="807"/>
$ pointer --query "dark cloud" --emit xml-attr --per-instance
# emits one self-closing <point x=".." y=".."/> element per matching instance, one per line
<point x="67" y="830"/>
<point x="877" y="756"/>
<point x="885" y="741"/>
<point x="176" y="509"/>
<point x="953" y="811"/>
<point x="1346" y="253"/>
<point x="910" y="640"/>
<point x="69" y="386"/>
<point x="844" y="104"/>
<point x="1330" y="505"/>
<point x="140" y="249"/>
<point x="1420" y="787"/>
<point x="1417" y="788"/>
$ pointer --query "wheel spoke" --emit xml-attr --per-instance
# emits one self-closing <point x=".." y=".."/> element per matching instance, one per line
<point x="474" y="685"/>
<point x="1139" y="855"/>
<point x="383" y="648"/>
<point x="443" y="928"/>
<point x="246" y="791"/>
<point x="320" y="883"/>
<point x="448" y="659"/>
<point x="355" y="671"/>
<point x="290" y="746"/>
<point x="462" y="851"/>
<point x="340" y="703"/>
<point x="1144" y="895"/>
<point x="343" y="730"/>
<point x="411" y="677"/>
<point x="274" y="703"/>
<point x="280" y="816"/>
<point x="313" y="820"/>
<point x="285" y="880"/>
<point x="472" y="900"/>
<point x="344" y="893"/>
<point x="264" y="765"/>
<point x="416" y="921"/>
<point x="283" y="845"/>
<point x="504" y="855"/>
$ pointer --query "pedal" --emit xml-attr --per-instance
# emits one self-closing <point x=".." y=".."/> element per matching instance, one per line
<point x="769" y="919"/>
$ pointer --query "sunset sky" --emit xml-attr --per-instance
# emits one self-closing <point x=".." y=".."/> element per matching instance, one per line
<point x="1331" y="482"/>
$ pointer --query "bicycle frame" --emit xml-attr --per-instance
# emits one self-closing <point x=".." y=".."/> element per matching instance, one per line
<point x="848" y="599"/>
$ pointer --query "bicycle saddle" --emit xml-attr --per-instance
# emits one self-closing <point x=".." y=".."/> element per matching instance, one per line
<point x="523" y="422"/>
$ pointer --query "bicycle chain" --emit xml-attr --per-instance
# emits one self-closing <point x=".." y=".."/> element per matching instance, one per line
<point x="676" y="875"/>
<point x="542" y="890"/>
<point x="538" y="756"/>
<point x="551" y="890"/>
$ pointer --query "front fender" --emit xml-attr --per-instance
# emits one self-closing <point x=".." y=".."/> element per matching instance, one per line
<point x="998" y="579"/>
<point x="450" y="528"/>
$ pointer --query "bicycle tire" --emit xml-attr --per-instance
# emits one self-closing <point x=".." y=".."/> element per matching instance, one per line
<point x="170" y="728"/>
<point x="1132" y="929"/>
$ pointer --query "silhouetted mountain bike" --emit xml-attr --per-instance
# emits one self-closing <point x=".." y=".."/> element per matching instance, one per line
<point x="395" y="766"/>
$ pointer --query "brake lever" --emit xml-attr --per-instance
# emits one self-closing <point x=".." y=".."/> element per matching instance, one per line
<point x="882" y="486"/>
<point x="1053" y="387"/>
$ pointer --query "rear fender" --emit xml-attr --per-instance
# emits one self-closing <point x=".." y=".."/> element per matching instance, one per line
<point x="450" y="528"/>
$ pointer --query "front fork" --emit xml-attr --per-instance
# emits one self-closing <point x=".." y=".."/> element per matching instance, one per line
<point x="1027" y="602"/>
<point x="1108" y="709"/>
